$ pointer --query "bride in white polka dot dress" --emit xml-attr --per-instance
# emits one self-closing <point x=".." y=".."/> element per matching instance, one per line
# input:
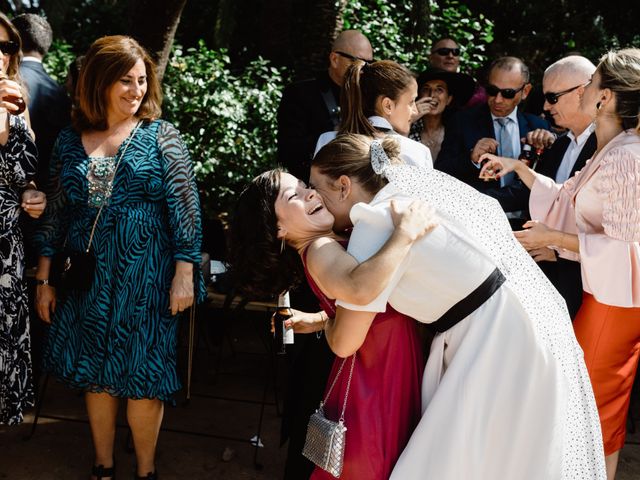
<point x="506" y="394"/>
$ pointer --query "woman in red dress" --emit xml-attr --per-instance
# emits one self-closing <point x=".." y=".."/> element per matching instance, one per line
<point x="383" y="404"/>
<point x="279" y="220"/>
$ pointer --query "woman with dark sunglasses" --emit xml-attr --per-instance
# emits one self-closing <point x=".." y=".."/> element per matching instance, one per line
<point x="445" y="55"/>
<point x="17" y="168"/>
<point x="11" y="91"/>
<point x="596" y="214"/>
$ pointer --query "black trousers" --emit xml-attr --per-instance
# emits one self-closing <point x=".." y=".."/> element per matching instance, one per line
<point x="567" y="278"/>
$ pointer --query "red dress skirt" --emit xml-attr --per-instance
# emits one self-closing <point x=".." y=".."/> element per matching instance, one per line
<point x="384" y="404"/>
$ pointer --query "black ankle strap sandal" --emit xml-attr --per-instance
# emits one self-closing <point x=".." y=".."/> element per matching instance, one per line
<point x="148" y="476"/>
<point x="101" y="472"/>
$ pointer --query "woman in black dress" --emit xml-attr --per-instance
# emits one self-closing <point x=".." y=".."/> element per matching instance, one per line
<point x="17" y="167"/>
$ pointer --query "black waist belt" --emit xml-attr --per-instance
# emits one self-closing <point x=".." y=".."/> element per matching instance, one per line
<point x="469" y="304"/>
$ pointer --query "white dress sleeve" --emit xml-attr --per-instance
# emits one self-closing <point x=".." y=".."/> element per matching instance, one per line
<point x="372" y="227"/>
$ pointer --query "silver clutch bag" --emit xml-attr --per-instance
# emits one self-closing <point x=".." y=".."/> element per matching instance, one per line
<point x="326" y="439"/>
<point x="325" y="443"/>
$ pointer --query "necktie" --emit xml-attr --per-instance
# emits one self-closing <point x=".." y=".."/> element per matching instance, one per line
<point x="505" y="148"/>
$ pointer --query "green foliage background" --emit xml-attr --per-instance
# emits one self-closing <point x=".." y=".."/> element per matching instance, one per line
<point x="402" y="32"/>
<point x="227" y="114"/>
<point x="227" y="118"/>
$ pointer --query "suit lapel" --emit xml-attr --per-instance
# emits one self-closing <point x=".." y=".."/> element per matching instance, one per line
<point x="523" y="124"/>
<point x="486" y="123"/>
<point x="586" y="153"/>
<point x="552" y="158"/>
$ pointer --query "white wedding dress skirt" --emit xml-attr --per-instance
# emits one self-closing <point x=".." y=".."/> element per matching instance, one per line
<point x="506" y="394"/>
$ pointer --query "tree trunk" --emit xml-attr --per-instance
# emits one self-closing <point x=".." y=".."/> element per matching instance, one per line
<point x="225" y="23"/>
<point x="153" y="23"/>
<point x="321" y="25"/>
<point x="420" y="19"/>
<point x="275" y="31"/>
<point x="56" y="11"/>
<point x="300" y="32"/>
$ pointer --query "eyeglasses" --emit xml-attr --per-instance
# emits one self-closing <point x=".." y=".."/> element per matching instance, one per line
<point x="443" y="52"/>
<point x="9" y="47"/>
<point x="353" y="58"/>
<point x="507" y="93"/>
<point x="553" y="97"/>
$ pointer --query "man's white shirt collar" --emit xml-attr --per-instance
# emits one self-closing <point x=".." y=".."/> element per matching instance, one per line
<point x="513" y="116"/>
<point x="582" y="138"/>
<point x="31" y="59"/>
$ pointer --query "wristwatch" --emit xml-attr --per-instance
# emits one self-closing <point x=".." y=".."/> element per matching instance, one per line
<point x="42" y="282"/>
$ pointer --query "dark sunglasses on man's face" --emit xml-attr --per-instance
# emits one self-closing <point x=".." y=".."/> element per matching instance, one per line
<point x="9" y="47"/>
<point x="507" y="93"/>
<point x="353" y="58"/>
<point x="553" y="97"/>
<point x="443" y="52"/>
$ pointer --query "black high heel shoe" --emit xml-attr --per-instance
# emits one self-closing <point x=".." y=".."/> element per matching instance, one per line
<point x="148" y="476"/>
<point x="101" y="472"/>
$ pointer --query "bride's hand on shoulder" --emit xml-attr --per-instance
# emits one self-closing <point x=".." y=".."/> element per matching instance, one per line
<point x="415" y="220"/>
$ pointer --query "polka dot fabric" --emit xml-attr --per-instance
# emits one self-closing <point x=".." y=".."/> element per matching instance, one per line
<point x="481" y="218"/>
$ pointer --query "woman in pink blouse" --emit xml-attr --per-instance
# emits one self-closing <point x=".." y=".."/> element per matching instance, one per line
<point x="596" y="214"/>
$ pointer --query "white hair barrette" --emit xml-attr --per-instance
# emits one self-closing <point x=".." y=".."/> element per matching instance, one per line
<point x="380" y="161"/>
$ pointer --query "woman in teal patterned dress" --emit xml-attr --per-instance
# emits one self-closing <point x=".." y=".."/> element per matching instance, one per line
<point x="118" y="339"/>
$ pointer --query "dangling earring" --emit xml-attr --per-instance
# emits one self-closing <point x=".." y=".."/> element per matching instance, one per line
<point x="282" y="246"/>
<point x="598" y="105"/>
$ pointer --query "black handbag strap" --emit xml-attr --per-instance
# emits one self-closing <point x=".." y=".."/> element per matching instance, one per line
<point x="346" y="394"/>
<point x="115" y="171"/>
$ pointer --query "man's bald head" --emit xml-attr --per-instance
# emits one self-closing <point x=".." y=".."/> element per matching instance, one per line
<point x="349" y="46"/>
<point x="353" y="40"/>
<point x="567" y="77"/>
<point x="576" y="67"/>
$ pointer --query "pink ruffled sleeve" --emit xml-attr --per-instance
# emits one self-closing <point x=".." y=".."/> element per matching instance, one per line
<point x="550" y="203"/>
<point x="611" y="257"/>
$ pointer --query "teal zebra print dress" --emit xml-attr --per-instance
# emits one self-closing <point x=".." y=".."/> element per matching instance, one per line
<point x="120" y="337"/>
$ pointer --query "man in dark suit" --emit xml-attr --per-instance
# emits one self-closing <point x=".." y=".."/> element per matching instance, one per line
<point x="496" y="127"/>
<point x="48" y="103"/>
<point x="311" y="107"/>
<point x="563" y="85"/>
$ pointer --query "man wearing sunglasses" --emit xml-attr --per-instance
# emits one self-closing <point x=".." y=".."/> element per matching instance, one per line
<point x="563" y="85"/>
<point x="445" y="55"/>
<point x="497" y="126"/>
<point x="311" y="107"/>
